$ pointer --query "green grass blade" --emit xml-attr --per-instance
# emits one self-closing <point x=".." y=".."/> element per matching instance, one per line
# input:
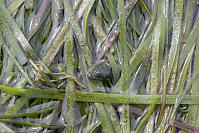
<point x="106" y="123"/>
<point x="181" y="82"/>
<point x="70" y="87"/>
<point x="143" y="49"/>
<point x="100" y="97"/>
<point x="115" y="122"/>
<point x="116" y="73"/>
<point x="194" y="108"/>
<point x="79" y="34"/>
<point x="175" y="35"/>
<point x="124" y="63"/>
<point x="189" y="44"/>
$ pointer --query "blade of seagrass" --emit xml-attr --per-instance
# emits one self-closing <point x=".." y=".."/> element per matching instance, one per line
<point x="101" y="97"/>
<point x="124" y="63"/>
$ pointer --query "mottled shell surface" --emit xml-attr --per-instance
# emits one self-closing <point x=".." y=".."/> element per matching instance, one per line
<point x="100" y="71"/>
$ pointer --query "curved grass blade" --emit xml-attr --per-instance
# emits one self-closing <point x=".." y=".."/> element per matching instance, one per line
<point x="95" y="126"/>
<point x="180" y="85"/>
<point x="150" y="112"/>
<point x="56" y="26"/>
<point x="35" y="22"/>
<point x="86" y="16"/>
<point x="56" y="45"/>
<point x="189" y="44"/>
<point x="175" y="35"/>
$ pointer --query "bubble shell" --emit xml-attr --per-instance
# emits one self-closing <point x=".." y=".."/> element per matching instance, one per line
<point x="100" y="71"/>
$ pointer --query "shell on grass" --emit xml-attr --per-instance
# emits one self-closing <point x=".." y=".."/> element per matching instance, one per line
<point x="100" y="71"/>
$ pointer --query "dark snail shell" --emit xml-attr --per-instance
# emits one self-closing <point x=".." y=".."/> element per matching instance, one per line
<point x="100" y="71"/>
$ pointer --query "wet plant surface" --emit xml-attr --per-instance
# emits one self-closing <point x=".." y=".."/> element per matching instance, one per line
<point x="97" y="66"/>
